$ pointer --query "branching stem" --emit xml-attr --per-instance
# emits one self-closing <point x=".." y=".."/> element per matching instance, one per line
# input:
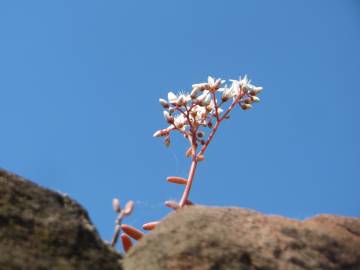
<point x="192" y="141"/>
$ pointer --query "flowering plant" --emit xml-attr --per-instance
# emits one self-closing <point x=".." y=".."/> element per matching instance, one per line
<point x="197" y="116"/>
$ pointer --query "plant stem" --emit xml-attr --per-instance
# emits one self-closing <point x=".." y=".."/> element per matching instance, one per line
<point x="192" y="140"/>
<point x="117" y="229"/>
<point x="203" y="149"/>
<point x="189" y="183"/>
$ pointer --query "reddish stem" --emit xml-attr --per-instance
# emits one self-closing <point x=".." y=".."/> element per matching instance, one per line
<point x="192" y="140"/>
<point x="185" y="195"/>
<point x="216" y="106"/>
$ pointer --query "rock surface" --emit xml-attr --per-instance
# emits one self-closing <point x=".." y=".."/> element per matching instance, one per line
<point x="203" y="238"/>
<point x="42" y="229"/>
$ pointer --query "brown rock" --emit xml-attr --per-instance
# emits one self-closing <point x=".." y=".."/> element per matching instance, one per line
<point x="204" y="238"/>
<point x="42" y="229"/>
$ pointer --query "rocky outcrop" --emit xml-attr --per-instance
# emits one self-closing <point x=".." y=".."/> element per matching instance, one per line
<point x="204" y="238"/>
<point x="42" y="229"/>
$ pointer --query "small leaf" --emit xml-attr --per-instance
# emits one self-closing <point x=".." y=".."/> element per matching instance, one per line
<point x="126" y="242"/>
<point x="132" y="232"/>
<point x="129" y="207"/>
<point x="189" y="152"/>
<point x="177" y="180"/>
<point x="150" y="225"/>
<point x="172" y="204"/>
<point x="200" y="158"/>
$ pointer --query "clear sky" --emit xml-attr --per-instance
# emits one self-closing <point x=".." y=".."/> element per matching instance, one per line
<point x="79" y="89"/>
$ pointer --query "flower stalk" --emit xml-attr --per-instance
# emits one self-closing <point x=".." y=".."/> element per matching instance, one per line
<point x="198" y="110"/>
<point x="194" y="116"/>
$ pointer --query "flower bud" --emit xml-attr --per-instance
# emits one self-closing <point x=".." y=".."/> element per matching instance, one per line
<point x="189" y="152"/>
<point x="168" y="117"/>
<point x="224" y="98"/>
<point x="181" y="100"/>
<point x="206" y="100"/>
<point x="116" y="205"/>
<point x="200" y="134"/>
<point x="195" y="92"/>
<point x="201" y="86"/>
<point x="158" y="133"/>
<point x="246" y="106"/>
<point x="227" y="94"/>
<point x="172" y="97"/>
<point x="180" y="125"/>
<point x="255" y="90"/>
<point x="167" y="141"/>
<point x="217" y="84"/>
<point x="164" y="103"/>
<point x="200" y="158"/>
<point x="255" y="99"/>
<point x="248" y="101"/>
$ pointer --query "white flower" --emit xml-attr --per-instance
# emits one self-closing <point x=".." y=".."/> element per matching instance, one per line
<point x="164" y="103"/>
<point x="214" y="84"/>
<point x="255" y="99"/>
<point x="211" y="84"/>
<point x="244" y="81"/>
<point x="205" y="98"/>
<point x="158" y="133"/>
<point x="252" y="89"/>
<point x="180" y="121"/>
<point x="194" y="93"/>
<point x="201" y="86"/>
<point x="181" y="99"/>
<point x="201" y="114"/>
<point x="231" y="92"/>
<point x="168" y="117"/>
<point x="161" y="132"/>
<point x="172" y="97"/>
<point x="246" y="85"/>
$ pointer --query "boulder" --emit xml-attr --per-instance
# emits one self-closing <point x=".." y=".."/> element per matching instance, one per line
<point x="43" y="229"/>
<point x="212" y="238"/>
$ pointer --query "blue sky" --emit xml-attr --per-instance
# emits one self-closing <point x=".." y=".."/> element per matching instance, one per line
<point x="80" y="82"/>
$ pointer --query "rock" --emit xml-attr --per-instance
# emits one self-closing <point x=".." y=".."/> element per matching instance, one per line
<point x="204" y="238"/>
<point x="42" y="229"/>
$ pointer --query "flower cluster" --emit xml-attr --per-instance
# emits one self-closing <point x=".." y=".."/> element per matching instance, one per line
<point x="193" y="114"/>
<point x="188" y="112"/>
